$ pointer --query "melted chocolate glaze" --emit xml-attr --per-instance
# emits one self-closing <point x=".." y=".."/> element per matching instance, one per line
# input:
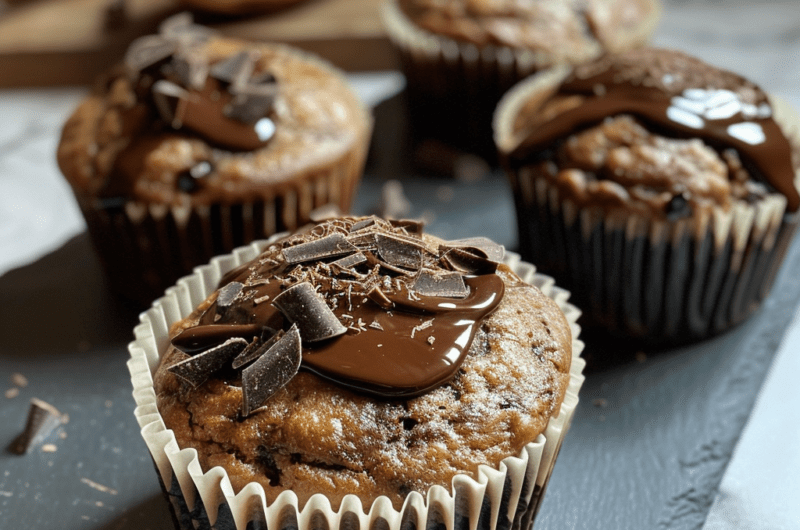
<point x="755" y="135"/>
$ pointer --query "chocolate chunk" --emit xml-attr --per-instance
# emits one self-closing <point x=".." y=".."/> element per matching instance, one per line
<point x="195" y="370"/>
<point x="146" y="52"/>
<point x="362" y="224"/>
<point x="167" y="97"/>
<point x="255" y="350"/>
<point x="350" y="261"/>
<point x="481" y="246"/>
<point x="43" y="418"/>
<point x="399" y="252"/>
<point x="373" y="260"/>
<point x="251" y="102"/>
<point x="228" y="294"/>
<point x="463" y="261"/>
<point x="235" y="69"/>
<point x="409" y="225"/>
<point x="199" y="338"/>
<point x="445" y="284"/>
<point x="678" y="207"/>
<point x="326" y="247"/>
<point x="380" y="298"/>
<point x="190" y="72"/>
<point x="302" y="305"/>
<point x="276" y="367"/>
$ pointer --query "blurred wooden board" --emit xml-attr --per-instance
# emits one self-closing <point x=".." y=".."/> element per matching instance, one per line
<point x="69" y="42"/>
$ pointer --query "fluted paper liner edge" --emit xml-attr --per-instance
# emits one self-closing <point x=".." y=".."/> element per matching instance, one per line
<point x="527" y="473"/>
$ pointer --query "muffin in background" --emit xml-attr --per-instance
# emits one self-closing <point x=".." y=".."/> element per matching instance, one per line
<point x="237" y="7"/>
<point x="661" y="190"/>
<point x="376" y="426"/>
<point x="198" y="144"/>
<point x="460" y="56"/>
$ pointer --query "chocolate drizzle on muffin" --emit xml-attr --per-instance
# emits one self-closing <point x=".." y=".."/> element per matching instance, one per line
<point x="379" y="309"/>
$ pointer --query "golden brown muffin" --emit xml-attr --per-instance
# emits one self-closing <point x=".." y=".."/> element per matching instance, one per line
<point x="444" y="360"/>
<point x="461" y="56"/>
<point x="660" y="189"/>
<point x="198" y="144"/>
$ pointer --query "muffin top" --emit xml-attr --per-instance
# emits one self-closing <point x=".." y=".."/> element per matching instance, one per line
<point x="193" y="118"/>
<point x="363" y="357"/>
<point x="570" y="31"/>
<point x="654" y="131"/>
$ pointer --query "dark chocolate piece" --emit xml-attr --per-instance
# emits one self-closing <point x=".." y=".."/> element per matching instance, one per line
<point x="235" y="69"/>
<point x="228" y="294"/>
<point x="195" y="370"/>
<point x="251" y="102"/>
<point x="350" y="261"/>
<point x="255" y="350"/>
<point x="399" y="252"/>
<point x="326" y="247"/>
<point x="167" y="97"/>
<point x="467" y="262"/>
<point x="276" y="367"/>
<point x="146" y="52"/>
<point x="677" y="207"/>
<point x="409" y="225"/>
<point x="190" y="73"/>
<point x="43" y="418"/>
<point x="362" y="224"/>
<point x="480" y="246"/>
<point x="445" y="284"/>
<point x="302" y="305"/>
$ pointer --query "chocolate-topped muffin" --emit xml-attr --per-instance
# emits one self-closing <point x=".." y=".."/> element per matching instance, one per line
<point x="198" y="143"/>
<point x="661" y="190"/>
<point x="461" y="56"/>
<point x="237" y="7"/>
<point x="364" y="358"/>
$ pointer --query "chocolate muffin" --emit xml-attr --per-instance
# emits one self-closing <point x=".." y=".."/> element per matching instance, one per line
<point x="237" y="7"/>
<point x="361" y="362"/>
<point x="198" y="144"/>
<point x="460" y="56"/>
<point x="660" y="189"/>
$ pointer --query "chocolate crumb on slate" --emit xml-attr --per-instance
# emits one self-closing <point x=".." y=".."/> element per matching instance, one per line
<point x="43" y="418"/>
<point x="195" y="370"/>
<point x="448" y="285"/>
<point x="329" y="246"/>
<point x="276" y="367"/>
<point x="303" y="306"/>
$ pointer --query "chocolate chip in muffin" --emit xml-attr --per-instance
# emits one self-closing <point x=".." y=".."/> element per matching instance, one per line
<point x="678" y="207"/>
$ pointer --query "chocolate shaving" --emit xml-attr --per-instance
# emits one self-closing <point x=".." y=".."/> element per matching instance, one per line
<point x="409" y="225"/>
<point x="362" y="224"/>
<point x="467" y="262"/>
<point x="399" y="252"/>
<point x="195" y="370"/>
<point x="146" y="52"/>
<point x="349" y="261"/>
<point x="445" y="284"/>
<point x="326" y="247"/>
<point x="190" y="73"/>
<point x="373" y="260"/>
<point x="235" y="69"/>
<point x="167" y="97"/>
<point x="380" y="298"/>
<point x="228" y="294"/>
<point x="273" y="369"/>
<point x="480" y="246"/>
<point x="302" y="305"/>
<point x="43" y="418"/>
<point x="251" y="102"/>
<point x="255" y="350"/>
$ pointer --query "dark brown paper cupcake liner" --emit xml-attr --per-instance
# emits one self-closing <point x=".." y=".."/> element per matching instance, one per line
<point x="145" y="248"/>
<point x="502" y="498"/>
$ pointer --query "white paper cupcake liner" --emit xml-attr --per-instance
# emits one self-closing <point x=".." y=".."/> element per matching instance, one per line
<point x="496" y="499"/>
<point x="636" y="276"/>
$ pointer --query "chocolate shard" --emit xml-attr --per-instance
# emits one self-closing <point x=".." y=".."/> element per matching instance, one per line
<point x="146" y="52"/>
<point x="190" y="72"/>
<point x="195" y="370"/>
<point x="235" y="69"/>
<point x="42" y="420"/>
<point x="380" y="298"/>
<point x="399" y="252"/>
<point x="276" y="367"/>
<point x="255" y="350"/>
<point x="362" y="224"/>
<point x="167" y="96"/>
<point x="373" y="260"/>
<point x="250" y="103"/>
<point x="469" y="263"/>
<point x="228" y="294"/>
<point x="481" y="246"/>
<point x="326" y="247"/>
<point x="444" y="284"/>
<point x="350" y="261"/>
<point x="302" y="305"/>
<point x="411" y="226"/>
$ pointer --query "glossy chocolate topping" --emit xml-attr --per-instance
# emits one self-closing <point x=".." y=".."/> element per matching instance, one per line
<point x="681" y="97"/>
<point x="408" y="311"/>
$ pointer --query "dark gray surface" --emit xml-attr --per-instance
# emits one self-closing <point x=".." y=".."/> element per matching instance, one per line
<point x="651" y="457"/>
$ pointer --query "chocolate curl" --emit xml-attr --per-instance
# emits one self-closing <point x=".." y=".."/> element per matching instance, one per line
<point x="195" y="370"/>
<point x="481" y="246"/>
<point x="326" y="247"/>
<point x="43" y="418"/>
<point x="444" y="284"/>
<point x="273" y="369"/>
<point x="255" y="350"/>
<point x="302" y="305"/>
